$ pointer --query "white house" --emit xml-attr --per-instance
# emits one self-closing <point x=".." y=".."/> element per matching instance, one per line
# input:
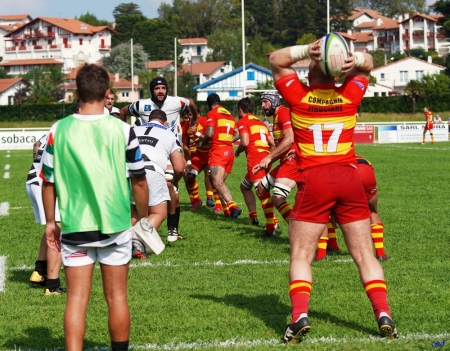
<point x="68" y="41"/>
<point x="397" y="74"/>
<point x="372" y="31"/>
<point x="8" y="23"/>
<point x="194" y="50"/>
<point x="205" y="71"/>
<point x="230" y="86"/>
<point x="8" y="88"/>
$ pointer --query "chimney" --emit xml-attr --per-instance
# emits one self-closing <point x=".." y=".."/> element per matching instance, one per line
<point x="406" y="15"/>
<point x="135" y="80"/>
<point x="379" y="22"/>
<point x="116" y="77"/>
<point x="430" y="59"/>
<point x="400" y="18"/>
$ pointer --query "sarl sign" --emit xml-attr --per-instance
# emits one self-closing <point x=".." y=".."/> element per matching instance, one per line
<point x="364" y="134"/>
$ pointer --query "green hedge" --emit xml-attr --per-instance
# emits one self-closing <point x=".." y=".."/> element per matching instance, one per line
<point x="389" y="104"/>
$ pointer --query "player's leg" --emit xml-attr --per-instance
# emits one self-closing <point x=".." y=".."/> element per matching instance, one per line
<point x="210" y="196"/>
<point x="34" y="193"/>
<point x="268" y="209"/>
<point x="303" y="237"/>
<point x="282" y="189"/>
<point x="115" y="289"/>
<point x="218" y="175"/>
<point x="54" y="261"/>
<point x="79" y="271"/>
<point x="377" y="227"/>
<point x="190" y="180"/>
<point x="432" y="136"/>
<point x="250" y="200"/>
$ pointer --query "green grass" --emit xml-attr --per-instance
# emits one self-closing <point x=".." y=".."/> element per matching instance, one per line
<point x="227" y="285"/>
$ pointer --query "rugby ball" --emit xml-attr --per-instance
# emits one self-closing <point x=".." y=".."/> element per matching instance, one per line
<point x="333" y="52"/>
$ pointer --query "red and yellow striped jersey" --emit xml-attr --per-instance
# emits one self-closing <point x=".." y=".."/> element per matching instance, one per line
<point x="258" y="134"/>
<point x="281" y="122"/>
<point x="193" y="140"/>
<point x="323" y="119"/>
<point x="224" y="124"/>
<point x="429" y="116"/>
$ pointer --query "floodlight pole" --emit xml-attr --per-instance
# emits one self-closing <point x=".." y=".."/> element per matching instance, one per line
<point x="132" y="73"/>
<point x="175" y="81"/>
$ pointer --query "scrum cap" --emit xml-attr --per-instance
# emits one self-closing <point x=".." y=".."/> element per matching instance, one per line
<point x="157" y="81"/>
<point x="273" y="97"/>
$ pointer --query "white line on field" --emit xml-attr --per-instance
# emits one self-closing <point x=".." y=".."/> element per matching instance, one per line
<point x="4" y="208"/>
<point x="2" y="273"/>
<point x="7" y="155"/>
<point x="18" y="208"/>
<point x="6" y="175"/>
<point x="7" y="167"/>
<point x="8" y="151"/>
<point x="147" y="263"/>
<point x="390" y="146"/>
<point x="234" y="343"/>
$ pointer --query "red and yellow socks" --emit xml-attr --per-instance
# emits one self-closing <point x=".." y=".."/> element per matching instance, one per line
<point x="377" y="238"/>
<point x="376" y="291"/>
<point x="285" y="211"/>
<point x="321" y="248"/>
<point x="193" y="192"/>
<point x="332" y="240"/>
<point x="267" y="206"/>
<point x="299" y="292"/>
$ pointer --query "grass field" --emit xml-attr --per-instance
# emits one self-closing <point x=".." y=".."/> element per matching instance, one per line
<point x="226" y="286"/>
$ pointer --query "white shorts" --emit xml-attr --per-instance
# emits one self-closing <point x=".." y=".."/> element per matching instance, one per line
<point x="114" y="255"/>
<point x="34" y="193"/>
<point x="157" y="189"/>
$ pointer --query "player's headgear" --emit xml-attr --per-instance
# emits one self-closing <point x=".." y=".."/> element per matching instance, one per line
<point x="213" y="99"/>
<point x="157" y="81"/>
<point x="274" y="99"/>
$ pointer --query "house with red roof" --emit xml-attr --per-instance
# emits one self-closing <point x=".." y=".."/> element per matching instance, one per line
<point x="372" y="31"/>
<point x="205" y="71"/>
<point x="8" y="89"/>
<point x="68" y="41"/>
<point x="9" y="23"/>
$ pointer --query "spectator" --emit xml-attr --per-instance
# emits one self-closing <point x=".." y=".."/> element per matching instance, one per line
<point x="437" y="119"/>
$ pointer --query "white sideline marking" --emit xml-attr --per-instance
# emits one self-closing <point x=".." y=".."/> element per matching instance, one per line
<point x="147" y="263"/>
<point x="2" y="273"/>
<point x="18" y="208"/>
<point x="7" y="167"/>
<point x="234" y="343"/>
<point x="7" y="155"/>
<point x="4" y="208"/>
<point x="422" y="147"/>
<point x="6" y="175"/>
<point x="8" y="151"/>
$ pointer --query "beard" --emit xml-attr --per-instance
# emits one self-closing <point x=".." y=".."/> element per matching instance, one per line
<point x="269" y="112"/>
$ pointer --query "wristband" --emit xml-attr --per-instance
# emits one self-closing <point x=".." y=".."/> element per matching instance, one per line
<point x="198" y="134"/>
<point x="189" y="162"/>
<point x="359" y="59"/>
<point x="299" y="52"/>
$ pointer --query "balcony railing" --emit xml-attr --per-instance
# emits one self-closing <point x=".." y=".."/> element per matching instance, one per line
<point x="381" y="39"/>
<point x="104" y="47"/>
<point x="11" y="48"/>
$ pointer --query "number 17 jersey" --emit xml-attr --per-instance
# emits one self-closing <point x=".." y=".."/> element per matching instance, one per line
<point x="323" y="119"/>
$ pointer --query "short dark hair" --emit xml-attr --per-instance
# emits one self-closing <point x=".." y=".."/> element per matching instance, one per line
<point x="77" y="106"/>
<point x="246" y="105"/>
<point x="92" y="83"/>
<point x="111" y="91"/>
<point x="158" y="114"/>
<point x="213" y="99"/>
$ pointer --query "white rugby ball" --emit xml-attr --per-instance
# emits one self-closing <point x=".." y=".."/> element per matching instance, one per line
<point x="334" y="51"/>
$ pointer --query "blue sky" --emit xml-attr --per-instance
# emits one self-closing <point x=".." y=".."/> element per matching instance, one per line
<point x="69" y="9"/>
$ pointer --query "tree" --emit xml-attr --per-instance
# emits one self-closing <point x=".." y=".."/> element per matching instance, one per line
<point x="128" y="8"/>
<point x="226" y="46"/>
<point x="91" y="19"/>
<point x="306" y="39"/>
<point x="443" y="7"/>
<point x="415" y="91"/>
<point x="160" y="46"/>
<point x="125" y="25"/>
<point x="3" y="73"/>
<point x="119" y="60"/>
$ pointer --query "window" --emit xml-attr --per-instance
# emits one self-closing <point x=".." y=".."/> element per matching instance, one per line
<point x="125" y="94"/>
<point x="404" y="76"/>
<point x="233" y="93"/>
<point x="382" y="76"/>
<point x="199" y="50"/>
<point x="81" y="41"/>
<point x="250" y="75"/>
<point x="419" y="75"/>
